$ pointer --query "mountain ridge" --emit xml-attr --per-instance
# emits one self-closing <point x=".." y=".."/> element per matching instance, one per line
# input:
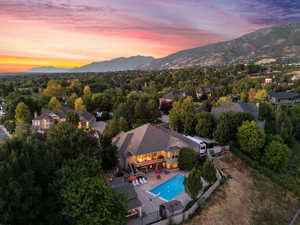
<point x="264" y="45"/>
<point x="117" y="64"/>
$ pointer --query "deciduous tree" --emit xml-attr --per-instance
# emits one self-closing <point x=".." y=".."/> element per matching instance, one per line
<point x="79" y="104"/>
<point x="23" y="113"/>
<point x="54" y="103"/>
<point x="251" y="138"/>
<point x="277" y="155"/>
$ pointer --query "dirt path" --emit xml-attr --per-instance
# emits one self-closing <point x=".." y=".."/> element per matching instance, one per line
<point x="246" y="199"/>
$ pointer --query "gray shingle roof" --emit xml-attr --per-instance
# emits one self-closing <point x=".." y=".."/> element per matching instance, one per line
<point x="128" y="191"/>
<point x="174" y="94"/>
<point x="204" y="90"/>
<point x="83" y="114"/>
<point x="284" y="94"/>
<point x="235" y="107"/>
<point x="149" y="138"/>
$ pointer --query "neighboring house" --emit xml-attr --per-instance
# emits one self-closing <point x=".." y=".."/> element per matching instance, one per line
<point x="134" y="205"/>
<point x="204" y="92"/>
<point x="287" y="97"/>
<point x="166" y="101"/>
<point x="49" y="117"/>
<point x="295" y="77"/>
<point x="150" y="146"/>
<point x="223" y="107"/>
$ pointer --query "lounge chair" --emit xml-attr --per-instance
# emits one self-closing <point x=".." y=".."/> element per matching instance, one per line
<point x="144" y="180"/>
<point x="141" y="181"/>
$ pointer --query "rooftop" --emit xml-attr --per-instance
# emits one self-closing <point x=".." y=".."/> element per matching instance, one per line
<point x="284" y="94"/>
<point x="149" y="138"/>
<point x="174" y="94"/>
<point x="127" y="189"/>
<point x="235" y="107"/>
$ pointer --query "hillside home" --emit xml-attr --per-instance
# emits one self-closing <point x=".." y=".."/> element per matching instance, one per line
<point x="286" y="97"/>
<point x="203" y="93"/>
<point x="150" y="146"/>
<point x="49" y="117"/>
<point x="166" y="101"/>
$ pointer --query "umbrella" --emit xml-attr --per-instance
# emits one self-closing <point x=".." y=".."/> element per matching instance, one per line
<point x="158" y="172"/>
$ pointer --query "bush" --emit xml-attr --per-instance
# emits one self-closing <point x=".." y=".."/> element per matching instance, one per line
<point x="209" y="171"/>
<point x="10" y="126"/>
<point x="193" y="183"/>
<point x="277" y="155"/>
<point x="187" y="159"/>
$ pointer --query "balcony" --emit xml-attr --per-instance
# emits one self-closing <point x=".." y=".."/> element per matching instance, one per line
<point x="148" y="162"/>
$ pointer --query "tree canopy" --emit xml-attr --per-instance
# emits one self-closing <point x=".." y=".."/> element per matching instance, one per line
<point x="187" y="159"/>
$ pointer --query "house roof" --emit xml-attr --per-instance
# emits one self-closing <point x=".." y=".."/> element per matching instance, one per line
<point x="284" y="94"/>
<point x="148" y="138"/>
<point x="46" y="114"/>
<point x="235" y="107"/>
<point x="204" y="90"/>
<point x="174" y="94"/>
<point x="127" y="189"/>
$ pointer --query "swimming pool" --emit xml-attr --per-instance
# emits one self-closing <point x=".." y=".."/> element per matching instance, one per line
<point x="169" y="189"/>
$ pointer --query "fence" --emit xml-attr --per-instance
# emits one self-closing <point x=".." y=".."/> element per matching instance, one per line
<point x="177" y="219"/>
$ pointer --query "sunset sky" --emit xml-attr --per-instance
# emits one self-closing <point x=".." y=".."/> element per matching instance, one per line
<point x="70" y="33"/>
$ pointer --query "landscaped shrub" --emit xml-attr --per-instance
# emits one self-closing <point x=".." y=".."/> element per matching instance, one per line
<point x="209" y="171"/>
<point x="193" y="183"/>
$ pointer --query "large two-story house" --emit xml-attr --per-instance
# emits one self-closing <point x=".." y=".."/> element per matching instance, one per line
<point x="49" y="117"/>
<point x="150" y="146"/>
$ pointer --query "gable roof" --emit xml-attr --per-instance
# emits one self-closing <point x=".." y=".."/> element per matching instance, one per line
<point x="148" y="138"/>
<point x="204" y="90"/>
<point x="61" y="113"/>
<point x="284" y="94"/>
<point x="174" y="94"/>
<point x="223" y="107"/>
<point x="127" y="189"/>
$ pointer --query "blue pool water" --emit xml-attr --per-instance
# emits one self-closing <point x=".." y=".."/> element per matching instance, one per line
<point x="169" y="189"/>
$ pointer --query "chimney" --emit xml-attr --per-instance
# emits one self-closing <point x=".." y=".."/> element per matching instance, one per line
<point x="35" y="114"/>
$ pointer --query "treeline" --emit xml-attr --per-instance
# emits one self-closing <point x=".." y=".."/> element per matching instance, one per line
<point x="58" y="178"/>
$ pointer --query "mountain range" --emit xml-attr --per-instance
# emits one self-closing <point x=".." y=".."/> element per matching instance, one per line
<point x="276" y="43"/>
<point x="118" y="64"/>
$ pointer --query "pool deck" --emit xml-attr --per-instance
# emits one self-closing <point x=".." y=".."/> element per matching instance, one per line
<point x="150" y="202"/>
